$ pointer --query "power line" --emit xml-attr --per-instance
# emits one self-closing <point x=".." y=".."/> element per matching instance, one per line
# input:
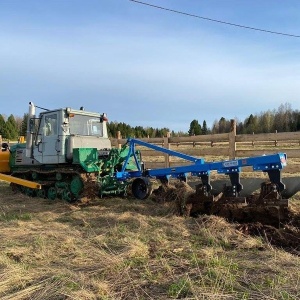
<point x="214" y="20"/>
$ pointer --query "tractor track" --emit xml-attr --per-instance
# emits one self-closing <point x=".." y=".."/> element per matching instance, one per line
<point x="49" y="178"/>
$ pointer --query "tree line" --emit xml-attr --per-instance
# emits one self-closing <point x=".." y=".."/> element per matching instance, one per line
<point x="283" y="119"/>
<point x="138" y="131"/>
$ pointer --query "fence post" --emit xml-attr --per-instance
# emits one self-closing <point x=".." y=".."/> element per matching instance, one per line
<point x="231" y="136"/>
<point x="167" y="146"/>
<point x="119" y="136"/>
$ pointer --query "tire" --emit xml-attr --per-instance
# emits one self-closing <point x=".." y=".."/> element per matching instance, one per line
<point x="141" y="188"/>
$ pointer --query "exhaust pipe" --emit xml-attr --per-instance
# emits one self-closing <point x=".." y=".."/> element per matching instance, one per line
<point x="29" y="134"/>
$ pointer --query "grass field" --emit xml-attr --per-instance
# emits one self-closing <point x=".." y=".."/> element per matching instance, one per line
<point x="117" y="248"/>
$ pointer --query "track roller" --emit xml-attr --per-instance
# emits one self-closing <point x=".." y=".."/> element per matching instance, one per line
<point x="52" y="193"/>
<point x="67" y="195"/>
<point x="41" y="193"/>
<point x="29" y="192"/>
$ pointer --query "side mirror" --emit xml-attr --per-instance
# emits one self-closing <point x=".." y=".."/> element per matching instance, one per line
<point x="103" y="118"/>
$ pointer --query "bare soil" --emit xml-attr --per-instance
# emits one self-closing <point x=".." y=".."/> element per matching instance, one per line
<point x="279" y="228"/>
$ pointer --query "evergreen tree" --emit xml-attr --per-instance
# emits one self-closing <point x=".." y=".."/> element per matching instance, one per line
<point x="139" y="132"/>
<point x="251" y="124"/>
<point x="111" y="129"/>
<point x="239" y="127"/>
<point x="204" y="128"/>
<point x="195" y="128"/>
<point x="23" y="130"/>
<point x="11" y="128"/>
<point x="223" y="126"/>
<point x="2" y="126"/>
<point x="157" y="132"/>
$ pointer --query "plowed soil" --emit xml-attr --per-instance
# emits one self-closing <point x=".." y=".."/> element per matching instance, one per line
<point x="279" y="230"/>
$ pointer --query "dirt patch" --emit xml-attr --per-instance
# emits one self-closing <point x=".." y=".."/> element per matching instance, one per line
<point x="287" y="237"/>
<point x="277" y="224"/>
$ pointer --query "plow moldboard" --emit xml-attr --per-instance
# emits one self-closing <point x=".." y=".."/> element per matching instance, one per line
<point x="250" y="185"/>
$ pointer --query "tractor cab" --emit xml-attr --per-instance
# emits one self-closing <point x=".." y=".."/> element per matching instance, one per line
<point x="55" y="134"/>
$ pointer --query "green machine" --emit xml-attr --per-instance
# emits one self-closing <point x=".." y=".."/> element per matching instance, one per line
<point x="68" y="155"/>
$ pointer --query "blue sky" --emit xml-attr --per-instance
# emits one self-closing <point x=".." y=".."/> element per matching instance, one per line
<point x="149" y="67"/>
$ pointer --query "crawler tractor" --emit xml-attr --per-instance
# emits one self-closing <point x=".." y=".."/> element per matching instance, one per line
<point x="68" y="155"/>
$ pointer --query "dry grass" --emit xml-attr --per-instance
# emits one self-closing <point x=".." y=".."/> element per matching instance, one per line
<point x="126" y="249"/>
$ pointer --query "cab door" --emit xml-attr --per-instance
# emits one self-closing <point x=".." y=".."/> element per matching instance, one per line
<point x="49" y="149"/>
<point x="50" y="139"/>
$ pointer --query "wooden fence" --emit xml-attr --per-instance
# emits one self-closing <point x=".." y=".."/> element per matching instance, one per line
<point x="222" y="146"/>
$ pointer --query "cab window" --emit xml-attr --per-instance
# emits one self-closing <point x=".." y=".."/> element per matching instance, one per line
<point x="85" y="125"/>
<point x="50" y="125"/>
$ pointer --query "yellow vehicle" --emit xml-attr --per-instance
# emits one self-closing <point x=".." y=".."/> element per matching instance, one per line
<point x="4" y="160"/>
<point x="5" y="170"/>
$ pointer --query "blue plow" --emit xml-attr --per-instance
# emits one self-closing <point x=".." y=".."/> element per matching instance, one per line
<point x="270" y="164"/>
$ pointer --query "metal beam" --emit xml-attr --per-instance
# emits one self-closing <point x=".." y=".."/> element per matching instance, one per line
<point x="20" y="181"/>
<point x="167" y="151"/>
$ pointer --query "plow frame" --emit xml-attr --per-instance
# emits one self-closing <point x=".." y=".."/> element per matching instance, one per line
<point x="271" y="164"/>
